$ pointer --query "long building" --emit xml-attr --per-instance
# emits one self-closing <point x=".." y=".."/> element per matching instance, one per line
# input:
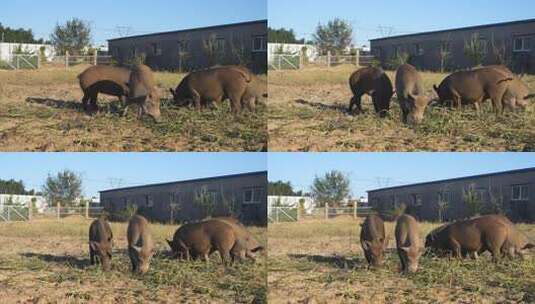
<point x="242" y="195"/>
<point x="511" y="43"/>
<point x="513" y="191"/>
<point x="192" y="49"/>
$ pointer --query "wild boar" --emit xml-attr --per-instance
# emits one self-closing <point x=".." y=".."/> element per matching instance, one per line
<point x="143" y="92"/>
<point x="100" y="243"/>
<point x="408" y="243"/>
<point x="516" y="242"/>
<point x="103" y="79"/>
<point x="213" y="85"/>
<point x="473" y="87"/>
<point x="140" y="245"/>
<point x="374" y="82"/>
<point x="411" y="94"/>
<point x="471" y="237"/>
<point x="373" y="240"/>
<point x="246" y="245"/>
<point x="200" y="239"/>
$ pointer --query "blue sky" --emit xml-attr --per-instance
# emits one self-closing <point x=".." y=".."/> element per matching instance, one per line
<point x="101" y="171"/>
<point x="375" y="170"/>
<point x="395" y="16"/>
<point x="142" y="16"/>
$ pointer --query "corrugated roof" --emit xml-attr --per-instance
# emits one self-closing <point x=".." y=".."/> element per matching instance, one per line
<point x="192" y="29"/>
<point x="458" y="29"/>
<point x="187" y="181"/>
<point x="454" y="179"/>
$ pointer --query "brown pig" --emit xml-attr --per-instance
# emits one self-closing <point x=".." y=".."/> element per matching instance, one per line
<point x="140" y="245"/>
<point x="143" y="92"/>
<point x="374" y="82"/>
<point x="373" y="240"/>
<point x="246" y="245"/>
<point x="411" y="94"/>
<point x="408" y="243"/>
<point x="100" y="243"/>
<point x="103" y="79"/>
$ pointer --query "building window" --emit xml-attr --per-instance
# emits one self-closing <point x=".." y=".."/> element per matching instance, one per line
<point x="183" y="46"/>
<point x="260" y="43"/>
<point x="418" y="49"/>
<point x="519" y="193"/>
<point x="156" y="49"/>
<point x="149" y="202"/>
<point x="219" y="45"/>
<point x="417" y="199"/>
<point x="522" y="44"/>
<point x="253" y="195"/>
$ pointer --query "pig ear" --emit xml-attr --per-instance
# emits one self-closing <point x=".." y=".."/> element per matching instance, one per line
<point x="170" y="243"/>
<point x="366" y="245"/>
<point x="406" y="249"/>
<point x="172" y="92"/>
<point x="529" y="246"/>
<point x="136" y="248"/>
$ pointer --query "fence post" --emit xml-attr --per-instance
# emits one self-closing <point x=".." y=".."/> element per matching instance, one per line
<point x="58" y="210"/>
<point x="329" y="59"/>
<point x="29" y="211"/>
<point x="277" y="214"/>
<point x="326" y="211"/>
<point x="18" y="62"/>
<point x="355" y="209"/>
<point x="297" y="213"/>
<point x="66" y="60"/>
<point x="357" y="58"/>
<point x="8" y="214"/>
<point x="87" y="209"/>
<point x="95" y="59"/>
<point x="38" y="61"/>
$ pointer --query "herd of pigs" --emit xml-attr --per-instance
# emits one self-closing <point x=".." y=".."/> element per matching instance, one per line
<point x="198" y="240"/>
<point x="471" y="87"/>
<point x="466" y="238"/>
<point x="136" y="85"/>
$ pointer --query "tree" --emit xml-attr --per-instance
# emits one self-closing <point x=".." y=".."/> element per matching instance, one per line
<point x="205" y="200"/>
<point x="335" y="36"/>
<point x="12" y="187"/>
<point x="73" y="37"/>
<point x="472" y="200"/>
<point x="64" y="188"/>
<point x="332" y="188"/>
<point x="475" y="48"/>
<point x="280" y="188"/>
<point x="283" y="35"/>
<point x="20" y="35"/>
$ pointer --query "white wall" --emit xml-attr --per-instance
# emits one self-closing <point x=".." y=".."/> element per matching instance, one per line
<point x="292" y="49"/>
<point x="6" y="49"/>
<point x="23" y="200"/>
<point x="292" y="201"/>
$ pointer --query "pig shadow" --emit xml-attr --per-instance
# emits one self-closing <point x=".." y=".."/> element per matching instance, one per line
<point x="322" y="106"/>
<point x="72" y="261"/>
<point x="336" y="261"/>
<point x="114" y="108"/>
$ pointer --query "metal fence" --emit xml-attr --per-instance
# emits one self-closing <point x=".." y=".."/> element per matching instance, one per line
<point x="285" y="62"/>
<point x="23" y="61"/>
<point x="14" y="213"/>
<point x="297" y="61"/>
<point x="293" y="214"/>
<point x="61" y="212"/>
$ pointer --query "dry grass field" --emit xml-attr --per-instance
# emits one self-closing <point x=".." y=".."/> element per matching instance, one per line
<point x="40" y="110"/>
<point x="308" y="112"/>
<point x="318" y="261"/>
<point x="47" y="261"/>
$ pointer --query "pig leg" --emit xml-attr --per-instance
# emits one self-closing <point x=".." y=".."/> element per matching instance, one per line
<point x="402" y="261"/>
<point x="355" y="101"/>
<point x="85" y="101"/>
<point x="196" y="100"/>
<point x="91" y="255"/>
<point x="455" y="249"/>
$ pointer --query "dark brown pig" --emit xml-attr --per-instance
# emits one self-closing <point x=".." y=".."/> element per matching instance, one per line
<point x="103" y="79"/>
<point x="200" y="239"/>
<point x="408" y="243"/>
<point x="213" y="85"/>
<point x="140" y="245"/>
<point x="374" y="82"/>
<point x="411" y="94"/>
<point x="471" y="236"/>
<point x="373" y="240"/>
<point x="143" y="92"/>
<point x="100" y="243"/>
<point x="473" y="87"/>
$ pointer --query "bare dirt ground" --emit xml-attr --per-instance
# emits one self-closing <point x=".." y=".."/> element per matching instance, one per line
<point x="40" y="110"/>
<point x="308" y="112"/>
<point x="47" y="261"/>
<point x="318" y="261"/>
